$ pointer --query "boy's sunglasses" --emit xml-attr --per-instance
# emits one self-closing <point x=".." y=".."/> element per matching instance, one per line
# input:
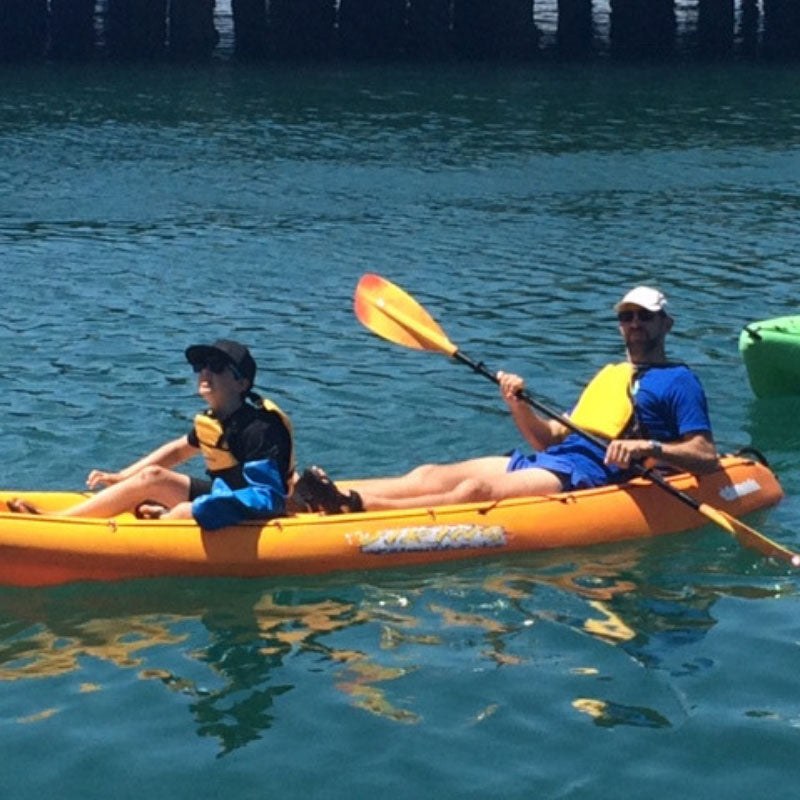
<point x="642" y="314"/>
<point x="217" y="365"/>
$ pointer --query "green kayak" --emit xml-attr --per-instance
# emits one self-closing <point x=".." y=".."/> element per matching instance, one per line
<point x="771" y="353"/>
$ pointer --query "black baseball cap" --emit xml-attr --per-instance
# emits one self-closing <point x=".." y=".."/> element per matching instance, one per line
<point x="234" y="352"/>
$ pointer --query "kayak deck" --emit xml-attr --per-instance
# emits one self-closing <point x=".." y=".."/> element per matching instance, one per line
<point x="47" y="549"/>
<point x="770" y="350"/>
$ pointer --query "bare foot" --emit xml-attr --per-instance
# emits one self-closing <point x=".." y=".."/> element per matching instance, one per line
<point x="20" y="506"/>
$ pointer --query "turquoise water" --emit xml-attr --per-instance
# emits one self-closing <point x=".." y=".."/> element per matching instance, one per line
<point x="145" y="210"/>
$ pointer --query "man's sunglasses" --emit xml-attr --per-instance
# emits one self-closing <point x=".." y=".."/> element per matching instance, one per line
<point x="217" y="365"/>
<point x="642" y="314"/>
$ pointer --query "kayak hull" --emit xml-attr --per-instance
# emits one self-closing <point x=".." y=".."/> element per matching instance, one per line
<point x="37" y="550"/>
<point x="770" y="350"/>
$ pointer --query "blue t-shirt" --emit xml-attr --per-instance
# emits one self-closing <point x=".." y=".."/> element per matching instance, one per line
<point x="669" y="403"/>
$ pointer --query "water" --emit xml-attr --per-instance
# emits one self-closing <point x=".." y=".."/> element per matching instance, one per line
<point x="144" y="210"/>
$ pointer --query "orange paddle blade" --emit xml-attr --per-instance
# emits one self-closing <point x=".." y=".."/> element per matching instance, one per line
<point x="749" y="537"/>
<point x="390" y="312"/>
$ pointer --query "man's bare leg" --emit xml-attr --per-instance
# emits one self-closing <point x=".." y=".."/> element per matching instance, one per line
<point x="432" y="478"/>
<point x="489" y="486"/>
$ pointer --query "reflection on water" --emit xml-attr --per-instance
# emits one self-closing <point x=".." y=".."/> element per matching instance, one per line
<point x="608" y="714"/>
<point x="244" y="650"/>
<point x="774" y="427"/>
<point x="45" y="653"/>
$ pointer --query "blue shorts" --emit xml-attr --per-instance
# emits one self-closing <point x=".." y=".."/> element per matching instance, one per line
<point x="577" y="464"/>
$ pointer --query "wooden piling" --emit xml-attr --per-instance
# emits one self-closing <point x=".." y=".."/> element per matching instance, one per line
<point x="372" y="29"/>
<point x="715" y="28"/>
<point x="748" y="28"/>
<point x="23" y="29"/>
<point x="250" y="29"/>
<point x="136" y="29"/>
<point x="494" y="30"/>
<point x="302" y="29"/>
<point x="575" y="34"/>
<point x="72" y="34"/>
<point x="643" y="29"/>
<point x="782" y="29"/>
<point x="428" y="30"/>
<point x="192" y="35"/>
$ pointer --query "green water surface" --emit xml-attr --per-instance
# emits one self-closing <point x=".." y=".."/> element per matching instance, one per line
<point x="144" y="209"/>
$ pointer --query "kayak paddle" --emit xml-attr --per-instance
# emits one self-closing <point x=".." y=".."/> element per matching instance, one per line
<point x="393" y="314"/>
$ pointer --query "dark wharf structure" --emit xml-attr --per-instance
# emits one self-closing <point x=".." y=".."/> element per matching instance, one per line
<point x="398" y="30"/>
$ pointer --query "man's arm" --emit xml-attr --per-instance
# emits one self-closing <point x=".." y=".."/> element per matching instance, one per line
<point x="538" y="432"/>
<point x="695" y="452"/>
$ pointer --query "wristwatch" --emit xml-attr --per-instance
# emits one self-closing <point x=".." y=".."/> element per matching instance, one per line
<point x="656" y="447"/>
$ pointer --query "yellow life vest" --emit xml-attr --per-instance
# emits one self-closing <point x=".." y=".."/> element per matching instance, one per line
<point x="606" y="406"/>
<point x="217" y="453"/>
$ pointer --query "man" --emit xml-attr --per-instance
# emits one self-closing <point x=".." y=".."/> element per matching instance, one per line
<point x="670" y="426"/>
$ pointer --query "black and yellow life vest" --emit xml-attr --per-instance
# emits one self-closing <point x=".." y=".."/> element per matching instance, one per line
<point x="605" y="406"/>
<point x="215" y="448"/>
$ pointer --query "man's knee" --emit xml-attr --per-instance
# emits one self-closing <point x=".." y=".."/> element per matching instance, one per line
<point x="472" y="490"/>
<point x="422" y="474"/>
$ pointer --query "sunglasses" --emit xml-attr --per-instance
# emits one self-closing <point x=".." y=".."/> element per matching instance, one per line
<point x="217" y="365"/>
<point x="642" y="314"/>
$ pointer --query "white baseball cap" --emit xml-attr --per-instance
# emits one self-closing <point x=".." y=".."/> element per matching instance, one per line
<point x="644" y="297"/>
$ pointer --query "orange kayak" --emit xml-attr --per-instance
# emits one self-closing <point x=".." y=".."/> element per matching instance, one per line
<point x="46" y="549"/>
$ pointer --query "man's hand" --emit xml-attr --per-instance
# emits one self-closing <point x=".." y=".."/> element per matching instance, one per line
<point x="510" y="387"/>
<point x="623" y="452"/>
